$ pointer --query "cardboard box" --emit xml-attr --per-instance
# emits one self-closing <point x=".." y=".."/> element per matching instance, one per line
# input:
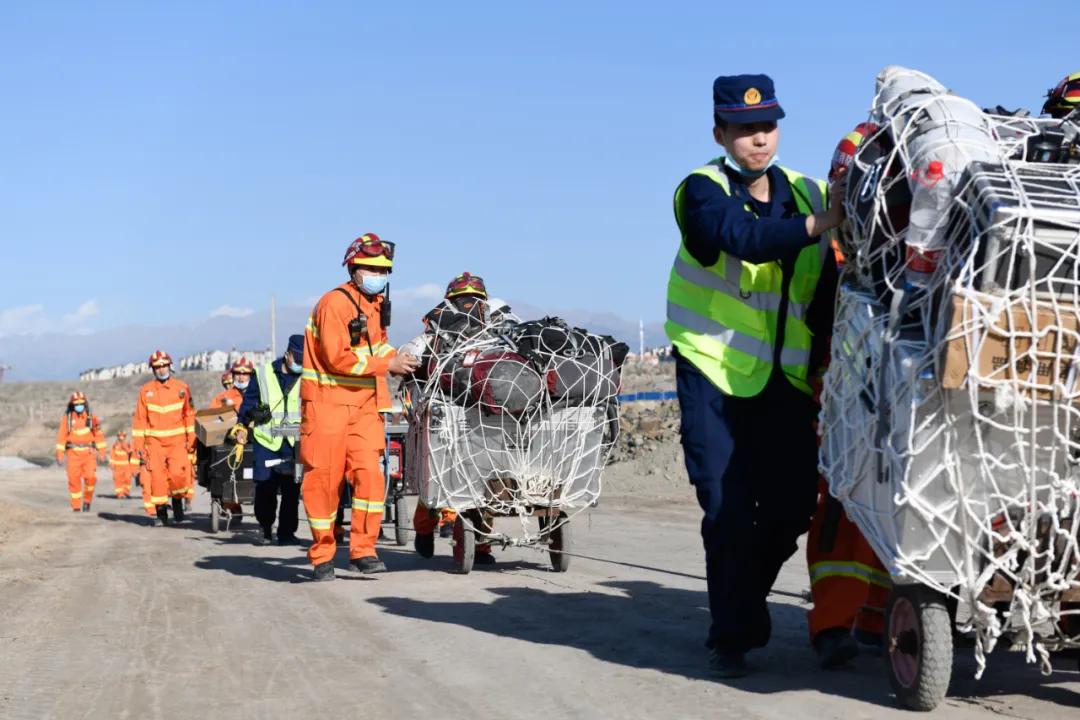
<point x="977" y="334"/>
<point x="212" y="425"/>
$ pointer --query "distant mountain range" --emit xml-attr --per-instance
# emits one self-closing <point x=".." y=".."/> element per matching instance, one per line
<point x="59" y="356"/>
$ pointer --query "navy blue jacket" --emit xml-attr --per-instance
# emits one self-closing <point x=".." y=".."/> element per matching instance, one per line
<point x="714" y="221"/>
<point x="251" y="398"/>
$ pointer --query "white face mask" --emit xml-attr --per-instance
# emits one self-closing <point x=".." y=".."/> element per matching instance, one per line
<point x="240" y="386"/>
<point x="162" y="374"/>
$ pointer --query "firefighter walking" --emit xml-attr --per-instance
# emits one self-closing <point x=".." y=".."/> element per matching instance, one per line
<point x="120" y="463"/>
<point x="80" y="445"/>
<point x="343" y="388"/>
<point x="164" y="432"/>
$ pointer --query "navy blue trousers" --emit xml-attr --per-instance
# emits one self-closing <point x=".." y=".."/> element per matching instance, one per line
<point x="753" y="463"/>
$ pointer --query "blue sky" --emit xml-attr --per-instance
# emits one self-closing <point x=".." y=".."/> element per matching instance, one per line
<point x="162" y="162"/>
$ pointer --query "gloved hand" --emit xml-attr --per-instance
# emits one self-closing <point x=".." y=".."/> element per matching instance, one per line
<point x="260" y="415"/>
<point x="239" y="434"/>
<point x="191" y="457"/>
<point x="101" y="459"/>
<point x="60" y="460"/>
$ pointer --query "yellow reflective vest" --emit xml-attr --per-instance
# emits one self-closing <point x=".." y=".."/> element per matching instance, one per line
<point x="284" y="409"/>
<point x="723" y="318"/>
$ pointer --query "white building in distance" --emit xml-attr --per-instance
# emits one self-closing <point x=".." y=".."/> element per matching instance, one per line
<point x="218" y="360"/>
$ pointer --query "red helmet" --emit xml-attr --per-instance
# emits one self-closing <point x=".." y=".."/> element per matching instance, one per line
<point x="226" y="378"/>
<point x="369" y="249"/>
<point x="466" y="284"/>
<point x="160" y="358"/>
<point x="121" y="434"/>
<point x="76" y="398"/>
<point x="1065" y="98"/>
<point x="846" y="149"/>
<point x="243" y="365"/>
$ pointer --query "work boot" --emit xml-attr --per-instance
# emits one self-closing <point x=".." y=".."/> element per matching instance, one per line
<point x="368" y="565"/>
<point x="446" y="530"/>
<point x="162" y="515"/>
<point x="424" y="543"/>
<point x="267" y="535"/>
<point x="727" y="664"/>
<point x="287" y="539"/>
<point x="86" y="507"/>
<point x="834" y="647"/>
<point x="178" y="509"/>
<point x="323" y="572"/>
<point x="187" y="504"/>
<point x="484" y="558"/>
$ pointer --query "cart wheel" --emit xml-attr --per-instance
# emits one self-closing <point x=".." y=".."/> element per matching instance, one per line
<point x="919" y="642"/>
<point x="215" y="515"/>
<point x="401" y="527"/>
<point x="464" y="546"/>
<point x="560" y="544"/>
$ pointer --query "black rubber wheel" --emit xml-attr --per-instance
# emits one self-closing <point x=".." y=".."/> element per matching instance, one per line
<point x="215" y="515"/>
<point x="464" y="546"/>
<point x="559" y="544"/>
<point x="401" y="521"/>
<point x="919" y="645"/>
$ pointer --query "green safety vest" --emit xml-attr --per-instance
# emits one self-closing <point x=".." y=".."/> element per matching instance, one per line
<point x="284" y="409"/>
<point x="723" y="318"/>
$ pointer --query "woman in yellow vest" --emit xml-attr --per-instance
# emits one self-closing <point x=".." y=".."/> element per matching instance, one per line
<point x="752" y="286"/>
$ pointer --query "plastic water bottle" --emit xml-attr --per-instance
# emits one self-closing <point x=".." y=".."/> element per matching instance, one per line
<point x="930" y="203"/>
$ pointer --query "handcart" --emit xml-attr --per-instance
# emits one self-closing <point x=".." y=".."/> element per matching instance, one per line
<point x="226" y="471"/>
<point x="951" y="408"/>
<point x="502" y="426"/>
<point x="399" y="485"/>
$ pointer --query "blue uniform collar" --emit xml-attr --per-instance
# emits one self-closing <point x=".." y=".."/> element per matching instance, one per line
<point x="782" y="204"/>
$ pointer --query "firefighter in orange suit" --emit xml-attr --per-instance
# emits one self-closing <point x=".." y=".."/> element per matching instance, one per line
<point x="164" y="432"/>
<point x="848" y="584"/>
<point x="120" y="464"/>
<point x="235" y="381"/>
<point x="227" y="397"/>
<point x="343" y="388"/>
<point x="78" y="441"/>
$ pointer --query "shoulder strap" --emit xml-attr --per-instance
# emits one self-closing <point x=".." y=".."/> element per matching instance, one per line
<point x="355" y="304"/>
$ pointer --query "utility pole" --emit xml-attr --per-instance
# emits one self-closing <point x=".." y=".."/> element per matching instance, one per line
<point x="273" y="327"/>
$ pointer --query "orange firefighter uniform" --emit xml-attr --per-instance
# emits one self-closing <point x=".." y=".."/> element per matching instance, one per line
<point x="78" y="441"/>
<point x="164" y="432"/>
<point x="120" y="464"/>
<point x="144" y="482"/>
<point x="342" y="390"/>
<point x="848" y="584"/>
<point x="228" y="398"/>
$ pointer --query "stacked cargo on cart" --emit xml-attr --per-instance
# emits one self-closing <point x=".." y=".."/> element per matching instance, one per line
<point x="512" y="421"/>
<point x="951" y="411"/>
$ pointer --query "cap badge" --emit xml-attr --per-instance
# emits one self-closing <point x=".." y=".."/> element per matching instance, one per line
<point x="752" y="96"/>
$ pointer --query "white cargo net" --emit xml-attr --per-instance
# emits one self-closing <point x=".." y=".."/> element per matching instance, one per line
<point x="504" y="432"/>
<point x="950" y="417"/>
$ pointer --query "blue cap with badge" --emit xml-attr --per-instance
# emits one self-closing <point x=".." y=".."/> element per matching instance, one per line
<point x="745" y="99"/>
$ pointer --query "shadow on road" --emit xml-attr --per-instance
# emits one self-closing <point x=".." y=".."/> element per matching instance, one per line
<point x="293" y="569"/>
<point x="651" y="626"/>
<point x="140" y="518"/>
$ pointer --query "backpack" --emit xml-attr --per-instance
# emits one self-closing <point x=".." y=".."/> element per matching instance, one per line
<point x="500" y="382"/>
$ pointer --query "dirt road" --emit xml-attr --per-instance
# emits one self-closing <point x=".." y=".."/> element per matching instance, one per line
<point x="103" y="617"/>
